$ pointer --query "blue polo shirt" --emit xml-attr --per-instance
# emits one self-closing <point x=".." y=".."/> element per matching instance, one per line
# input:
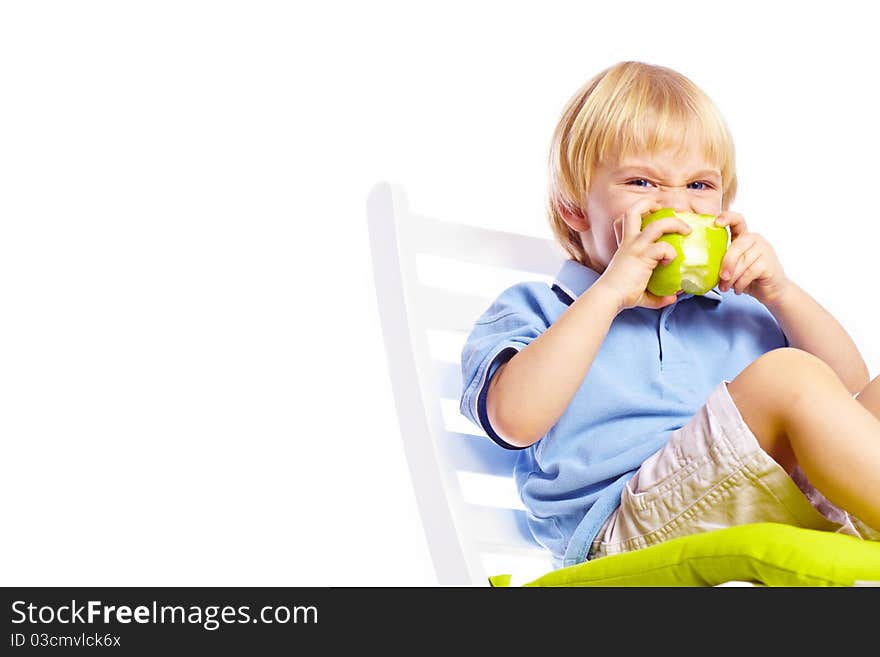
<point x="653" y="372"/>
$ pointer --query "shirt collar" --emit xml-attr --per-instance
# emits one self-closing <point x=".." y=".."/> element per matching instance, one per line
<point x="574" y="279"/>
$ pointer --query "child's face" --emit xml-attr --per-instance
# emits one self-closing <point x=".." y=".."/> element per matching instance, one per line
<point x="679" y="178"/>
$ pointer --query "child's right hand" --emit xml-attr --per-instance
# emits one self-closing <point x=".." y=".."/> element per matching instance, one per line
<point x="638" y="254"/>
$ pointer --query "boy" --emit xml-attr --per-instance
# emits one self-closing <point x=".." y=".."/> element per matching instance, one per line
<point x="643" y="418"/>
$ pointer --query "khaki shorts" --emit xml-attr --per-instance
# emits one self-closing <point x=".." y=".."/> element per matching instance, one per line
<point x="712" y="474"/>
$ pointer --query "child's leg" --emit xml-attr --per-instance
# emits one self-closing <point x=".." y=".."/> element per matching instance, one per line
<point x="803" y="415"/>
<point x="869" y="397"/>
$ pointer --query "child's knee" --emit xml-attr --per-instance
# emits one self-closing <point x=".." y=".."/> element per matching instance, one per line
<point x="773" y="387"/>
<point x="869" y="396"/>
<point x="789" y="373"/>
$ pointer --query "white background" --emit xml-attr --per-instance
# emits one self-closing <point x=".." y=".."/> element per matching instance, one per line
<point x="193" y="388"/>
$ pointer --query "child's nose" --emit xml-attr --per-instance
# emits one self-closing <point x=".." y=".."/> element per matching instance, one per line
<point x="676" y="198"/>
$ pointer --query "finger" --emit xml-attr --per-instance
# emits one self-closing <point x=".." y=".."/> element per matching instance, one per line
<point x="753" y="272"/>
<point x="751" y="246"/>
<point x="734" y="270"/>
<point x="658" y="229"/>
<point x="617" y="225"/>
<point x="661" y="252"/>
<point x="734" y="254"/>
<point x="652" y="301"/>
<point x="739" y="280"/>
<point x="632" y="218"/>
<point x="734" y="220"/>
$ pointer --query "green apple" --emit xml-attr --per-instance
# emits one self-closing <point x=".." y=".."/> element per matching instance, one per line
<point x="696" y="268"/>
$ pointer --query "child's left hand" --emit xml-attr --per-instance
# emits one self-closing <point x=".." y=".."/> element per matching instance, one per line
<point x="750" y="264"/>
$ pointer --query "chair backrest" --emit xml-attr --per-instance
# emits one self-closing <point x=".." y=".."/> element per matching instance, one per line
<point x="433" y="279"/>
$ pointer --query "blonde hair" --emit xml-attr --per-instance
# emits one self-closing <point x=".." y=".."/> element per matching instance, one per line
<point x="627" y="108"/>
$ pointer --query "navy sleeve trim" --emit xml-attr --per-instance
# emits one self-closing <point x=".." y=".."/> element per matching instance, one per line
<point x="503" y="356"/>
<point x="562" y="295"/>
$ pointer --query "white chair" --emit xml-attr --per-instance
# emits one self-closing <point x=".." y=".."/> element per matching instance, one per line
<point x="433" y="279"/>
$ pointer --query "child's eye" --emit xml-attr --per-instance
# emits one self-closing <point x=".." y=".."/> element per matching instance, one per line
<point x="639" y="182"/>
<point x="700" y="185"/>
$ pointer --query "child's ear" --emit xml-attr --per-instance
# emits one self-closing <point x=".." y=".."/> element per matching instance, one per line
<point x="574" y="217"/>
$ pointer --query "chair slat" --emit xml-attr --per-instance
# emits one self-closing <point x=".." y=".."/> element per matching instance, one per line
<point x="446" y="346"/>
<point x="444" y="310"/>
<point x="496" y="528"/>
<point x="447" y="379"/>
<point x="455" y="422"/>
<point x="478" y="454"/>
<point x="485" y="246"/>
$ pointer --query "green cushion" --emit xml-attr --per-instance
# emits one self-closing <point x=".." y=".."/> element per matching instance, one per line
<point x="771" y="554"/>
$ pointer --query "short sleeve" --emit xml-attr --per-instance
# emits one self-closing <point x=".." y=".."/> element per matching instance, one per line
<point x="515" y="318"/>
